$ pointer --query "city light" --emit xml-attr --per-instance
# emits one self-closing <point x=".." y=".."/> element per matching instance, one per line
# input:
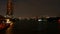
<point x="39" y="19"/>
<point x="8" y="21"/>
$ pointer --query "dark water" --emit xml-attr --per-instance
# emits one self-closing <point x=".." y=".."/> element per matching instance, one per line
<point x="32" y="28"/>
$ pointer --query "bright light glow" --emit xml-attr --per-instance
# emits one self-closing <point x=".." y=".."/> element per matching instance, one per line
<point x="39" y="19"/>
<point x="8" y="21"/>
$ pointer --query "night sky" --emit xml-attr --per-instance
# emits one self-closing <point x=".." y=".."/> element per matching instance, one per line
<point x="31" y="8"/>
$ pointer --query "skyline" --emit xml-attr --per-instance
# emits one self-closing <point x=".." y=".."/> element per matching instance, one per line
<point x="31" y="8"/>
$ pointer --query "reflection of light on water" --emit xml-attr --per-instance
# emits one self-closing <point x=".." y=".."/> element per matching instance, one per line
<point x="9" y="30"/>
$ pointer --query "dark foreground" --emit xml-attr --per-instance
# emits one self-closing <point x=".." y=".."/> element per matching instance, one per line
<point x="33" y="27"/>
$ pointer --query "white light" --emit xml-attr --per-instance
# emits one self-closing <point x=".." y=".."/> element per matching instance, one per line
<point x="39" y="19"/>
<point x="8" y="21"/>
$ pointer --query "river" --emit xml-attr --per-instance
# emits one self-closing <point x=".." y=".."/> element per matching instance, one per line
<point x="31" y="28"/>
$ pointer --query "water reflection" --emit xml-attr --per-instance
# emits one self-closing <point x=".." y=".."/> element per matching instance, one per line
<point x="9" y="30"/>
<point x="31" y="27"/>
